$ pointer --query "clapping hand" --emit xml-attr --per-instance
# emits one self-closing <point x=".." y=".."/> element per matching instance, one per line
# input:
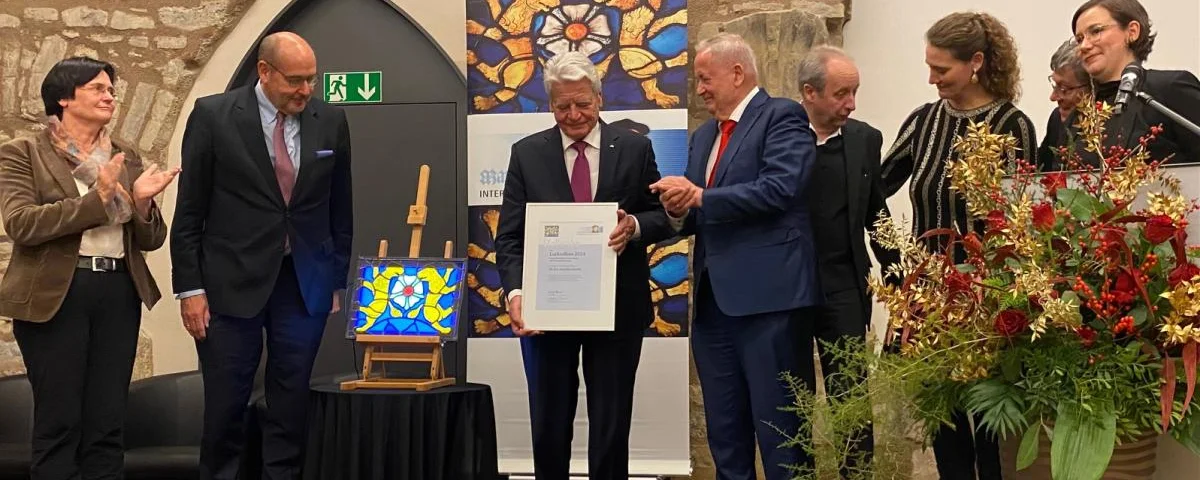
<point x="108" y="177"/>
<point x="677" y="194"/>
<point x="151" y="182"/>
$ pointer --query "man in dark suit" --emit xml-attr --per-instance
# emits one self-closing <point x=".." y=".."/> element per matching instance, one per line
<point x="755" y="261"/>
<point x="845" y="198"/>
<point x="261" y="241"/>
<point x="583" y="160"/>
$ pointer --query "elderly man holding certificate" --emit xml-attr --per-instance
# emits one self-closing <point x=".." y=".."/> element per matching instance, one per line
<point x="576" y="219"/>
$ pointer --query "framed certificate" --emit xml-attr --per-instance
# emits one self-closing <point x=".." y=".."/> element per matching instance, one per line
<point x="570" y="272"/>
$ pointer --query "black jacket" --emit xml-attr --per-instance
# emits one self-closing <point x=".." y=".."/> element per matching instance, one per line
<point x="230" y="219"/>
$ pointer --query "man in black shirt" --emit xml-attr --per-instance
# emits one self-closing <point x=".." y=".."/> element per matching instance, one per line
<point x="845" y="198"/>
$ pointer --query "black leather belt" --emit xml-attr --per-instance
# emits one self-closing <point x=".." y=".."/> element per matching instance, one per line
<point x="101" y="264"/>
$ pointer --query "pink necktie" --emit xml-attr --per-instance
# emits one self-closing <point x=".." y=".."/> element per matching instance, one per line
<point x="285" y="173"/>
<point x="581" y="175"/>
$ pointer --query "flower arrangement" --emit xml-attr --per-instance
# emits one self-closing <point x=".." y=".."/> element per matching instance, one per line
<point x="1072" y="311"/>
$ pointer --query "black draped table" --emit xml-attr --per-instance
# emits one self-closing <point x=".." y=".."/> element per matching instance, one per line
<point x="447" y="433"/>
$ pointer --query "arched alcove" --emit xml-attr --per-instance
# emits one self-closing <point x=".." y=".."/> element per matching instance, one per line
<point x="420" y="120"/>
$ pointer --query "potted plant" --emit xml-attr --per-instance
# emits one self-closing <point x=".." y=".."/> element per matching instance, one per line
<point x="1068" y="321"/>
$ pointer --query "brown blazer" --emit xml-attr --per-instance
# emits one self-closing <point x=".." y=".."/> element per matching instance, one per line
<point x="45" y="217"/>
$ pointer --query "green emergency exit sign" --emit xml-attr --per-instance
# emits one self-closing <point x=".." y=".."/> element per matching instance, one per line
<point x="354" y="87"/>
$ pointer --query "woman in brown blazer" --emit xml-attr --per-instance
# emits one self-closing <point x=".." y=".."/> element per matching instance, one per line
<point x="80" y="210"/>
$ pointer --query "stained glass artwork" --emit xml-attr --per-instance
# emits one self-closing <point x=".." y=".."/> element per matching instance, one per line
<point x="404" y="296"/>
<point x="669" y="287"/>
<point x="485" y="304"/>
<point x="669" y="281"/>
<point x="639" y="48"/>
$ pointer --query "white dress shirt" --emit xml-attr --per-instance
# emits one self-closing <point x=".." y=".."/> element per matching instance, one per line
<point x="735" y="116"/>
<point x="291" y="129"/>
<point x="817" y="136"/>
<point x="105" y="240"/>
<point x="592" y="152"/>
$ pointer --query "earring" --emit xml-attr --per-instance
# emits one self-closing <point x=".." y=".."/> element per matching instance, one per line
<point x="974" y="77"/>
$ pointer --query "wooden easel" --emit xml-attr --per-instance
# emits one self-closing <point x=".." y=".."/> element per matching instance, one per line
<point x="374" y="344"/>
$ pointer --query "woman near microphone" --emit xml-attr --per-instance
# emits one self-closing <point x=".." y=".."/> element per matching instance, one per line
<point x="1114" y="37"/>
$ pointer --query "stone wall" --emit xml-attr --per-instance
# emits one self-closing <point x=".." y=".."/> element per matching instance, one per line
<point x="781" y="32"/>
<point x="157" y="46"/>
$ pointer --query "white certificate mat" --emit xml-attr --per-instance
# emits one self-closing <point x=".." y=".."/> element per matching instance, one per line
<point x="570" y="272"/>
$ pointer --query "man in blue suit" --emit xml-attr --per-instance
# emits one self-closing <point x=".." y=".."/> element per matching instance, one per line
<point x="755" y="261"/>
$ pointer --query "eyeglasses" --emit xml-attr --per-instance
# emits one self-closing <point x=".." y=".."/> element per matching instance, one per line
<point x="1062" y="89"/>
<point x="100" y="89"/>
<point x="1091" y="33"/>
<point x="295" y="81"/>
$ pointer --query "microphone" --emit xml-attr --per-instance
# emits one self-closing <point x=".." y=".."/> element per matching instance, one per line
<point x="1130" y="81"/>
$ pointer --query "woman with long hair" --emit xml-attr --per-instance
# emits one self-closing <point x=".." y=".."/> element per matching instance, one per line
<point x="973" y="63"/>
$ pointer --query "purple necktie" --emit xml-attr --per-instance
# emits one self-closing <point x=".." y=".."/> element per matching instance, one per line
<point x="581" y="175"/>
<point x="285" y="172"/>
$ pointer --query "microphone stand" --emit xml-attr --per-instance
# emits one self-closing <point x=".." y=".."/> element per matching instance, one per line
<point x="1183" y="122"/>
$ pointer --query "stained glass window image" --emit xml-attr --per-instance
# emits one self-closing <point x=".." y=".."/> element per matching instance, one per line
<point x="639" y="48"/>
<point x="408" y="297"/>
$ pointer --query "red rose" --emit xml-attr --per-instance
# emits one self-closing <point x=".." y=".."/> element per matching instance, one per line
<point x="1124" y="288"/>
<point x="1182" y="273"/>
<point x="1043" y="216"/>
<point x="958" y="282"/>
<point x="1011" y="322"/>
<point x="996" y="220"/>
<point x="1087" y="336"/>
<point x="1158" y="229"/>
<point x="1124" y="283"/>
<point x="1054" y="181"/>
<point x="972" y="243"/>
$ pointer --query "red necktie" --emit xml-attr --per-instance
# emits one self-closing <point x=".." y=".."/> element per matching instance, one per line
<point x="726" y="132"/>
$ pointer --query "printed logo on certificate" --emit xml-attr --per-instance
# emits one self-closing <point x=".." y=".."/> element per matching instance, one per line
<point x="569" y="270"/>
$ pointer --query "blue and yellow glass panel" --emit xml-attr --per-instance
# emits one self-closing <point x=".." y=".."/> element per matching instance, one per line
<point x="411" y="297"/>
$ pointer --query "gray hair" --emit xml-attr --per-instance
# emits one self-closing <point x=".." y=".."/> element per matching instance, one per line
<point x="1066" y="59"/>
<point x="570" y="67"/>
<point x="812" y="66"/>
<point x="731" y="47"/>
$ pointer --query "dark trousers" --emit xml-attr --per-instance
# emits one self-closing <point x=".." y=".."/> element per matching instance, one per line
<point x="79" y="364"/>
<point x="610" y="361"/>
<point x="845" y="314"/>
<point x="961" y="452"/>
<point x="739" y="361"/>
<point x="229" y="357"/>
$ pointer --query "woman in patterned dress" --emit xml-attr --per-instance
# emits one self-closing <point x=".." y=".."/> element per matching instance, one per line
<point x="973" y="62"/>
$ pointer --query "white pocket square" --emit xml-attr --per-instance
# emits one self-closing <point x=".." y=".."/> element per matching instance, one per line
<point x="324" y="153"/>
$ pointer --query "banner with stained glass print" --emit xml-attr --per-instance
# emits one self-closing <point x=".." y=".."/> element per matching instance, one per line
<point x="640" y="50"/>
